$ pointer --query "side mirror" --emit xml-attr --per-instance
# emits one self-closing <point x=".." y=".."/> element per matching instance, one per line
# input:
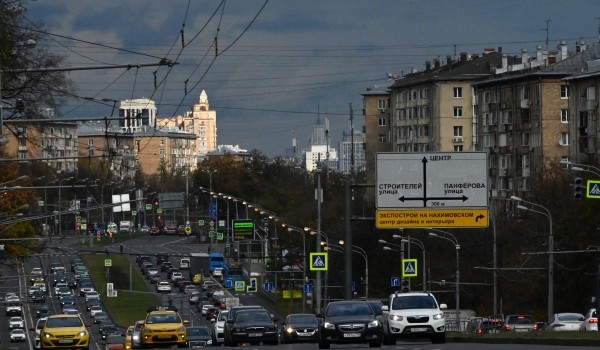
<point x="443" y="306"/>
<point x="88" y="325"/>
<point x="385" y="308"/>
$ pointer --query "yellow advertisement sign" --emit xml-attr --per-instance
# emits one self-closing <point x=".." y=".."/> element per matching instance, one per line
<point x="437" y="218"/>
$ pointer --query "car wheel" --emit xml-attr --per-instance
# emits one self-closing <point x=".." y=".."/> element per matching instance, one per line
<point x="389" y="339"/>
<point x="324" y="345"/>
<point x="375" y="345"/>
<point x="439" y="338"/>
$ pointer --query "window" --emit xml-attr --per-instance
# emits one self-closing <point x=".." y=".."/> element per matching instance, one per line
<point x="458" y="112"/>
<point x="525" y="139"/>
<point x="525" y="161"/>
<point x="564" y="139"/>
<point x="423" y="111"/>
<point x="161" y="142"/>
<point x="590" y="93"/>
<point x="402" y="114"/>
<point x="424" y="93"/>
<point x="503" y="162"/>
<point x="414" y="95"/>
<point x="381" y="105"/>
<point x="457" y="92"/>
<point x="458" y="131"/>
<point x="90" y="142"/>
<point x="381" y="138"/>
<point x="458" y="148"/>
<point x="564" y="91"/>
<point x="423" y="130"/>
<point x="564" y="115"/>
<point x="382" y="121"/>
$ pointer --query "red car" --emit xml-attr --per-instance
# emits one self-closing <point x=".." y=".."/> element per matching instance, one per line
<point x="154" y="231"/>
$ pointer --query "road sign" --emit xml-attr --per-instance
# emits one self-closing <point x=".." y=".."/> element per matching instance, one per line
<point x="107" y="262"/>
<point x="148" y="207"/>
<point x="219" y="236"/>
<point x="593" y="189"/>
<point x="354" y="286"/>
<point x="243" y="229"/>
<point x="133" y="212"/>
<point x="395" y="282"/>
<point x="308" y="287"/>
<point x="407" y="218"/>
<point x="318" y="261"/>
<point x="432" y="180"/>
<point x="159" y="211"/>
<point x="188" y="229"/>
<point x="201" y="223"/>
<point x="268" y="286"/>
<point x="409" y="267"/>
<point x="240" y="286"/>
<point x="229" y="283"/>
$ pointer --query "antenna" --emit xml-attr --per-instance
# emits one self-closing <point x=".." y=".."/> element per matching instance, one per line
<point x="547" y="29"/>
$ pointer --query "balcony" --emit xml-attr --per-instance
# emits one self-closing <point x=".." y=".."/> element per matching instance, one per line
<point x="457" y="139"/>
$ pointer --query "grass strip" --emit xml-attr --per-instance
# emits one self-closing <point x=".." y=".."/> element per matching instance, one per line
<point x="129" y="305"/>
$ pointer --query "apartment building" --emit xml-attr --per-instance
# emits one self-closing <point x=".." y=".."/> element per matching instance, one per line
<point x="51" y="143"/>
<point x="352" y="153"/>
<point x="200" y="121"/>
<point x="524" y="117"/>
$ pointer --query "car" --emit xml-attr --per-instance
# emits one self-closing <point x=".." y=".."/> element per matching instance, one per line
<point x="109" y="329"/>
<point x="565" y="321"/>
<point x="590" y="321"/>
<point x="484" y="325"/>
<point x="349" y="322"/>
<point x="113" y="342"/>
<point x="184" y="264"/>
<point x="13" y="308"/>
<point x="218" y="332"/>
<point x="183" y="284"/>
<point x="16" y="322"/>
<point x="413" y="314"/>
<point x="165" y="266"/>
<point x="253" y="325"/>
<point x="176" y="276"/>
<point x="35" y="273"/>
<point x="135" y="337"/>
<point x="520" y="323"/>
<point x="198" y="336"/>
<point x="145" y="229"/>
<point x="154" y="231"/>
<point x="300" y="328"/>
<point x="197" y="279"/>
<point x="33" y="289"/>
<point x="37" y="329"/>
<point x="94" y="309"/>
<point x="38" y="297"/>
<point x="85" y="288"/>
<point x="195" y="298"/>
<point x="152" y="271"/>
<point x="92" y="302"/>
<point x="17" y="334"/>
<point x="154" y="279"/>
<point x="92" y="295"/>
<point x="67" y="299"/>
<point x="128" y="339"/>
<point x="163" y="287"/>
<point x="170" y="326"/>
<point x="43" y="311"/>
<point x="204" y="308"/>
<point x="65" y="331"/>
<point x="70" y="311"/>
<point x="100" y="317"/>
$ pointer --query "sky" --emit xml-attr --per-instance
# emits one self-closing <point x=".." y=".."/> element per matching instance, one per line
<point x="282" y="64"/>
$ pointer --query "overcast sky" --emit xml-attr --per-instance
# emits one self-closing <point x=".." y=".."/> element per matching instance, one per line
<point x="275" y="73"/>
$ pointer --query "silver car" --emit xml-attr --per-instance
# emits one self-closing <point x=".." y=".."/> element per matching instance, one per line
<point x="590" y="322"/>
<point x="566" y="321"/>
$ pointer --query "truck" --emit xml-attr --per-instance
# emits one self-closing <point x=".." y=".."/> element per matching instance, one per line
<point x="125" y="226"/>
<point x="216" y="260"/>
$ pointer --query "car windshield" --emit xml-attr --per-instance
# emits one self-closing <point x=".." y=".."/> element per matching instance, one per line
<point x="349" y="309"/>
<point x="302" y="319"/>
<point x="198" y="331"/>
<point x="64" y="322"/>
<point x="252" y="316"/>
<point x="163" y="319"/>
<point x="414" y="302"/>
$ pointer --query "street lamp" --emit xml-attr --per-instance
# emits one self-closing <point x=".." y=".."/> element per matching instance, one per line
<point x="361" y="252"/>
<point x="300" y="231"/>
<point x="421" y="245"/>
<point x="451" y="238"/>
<point x="60" y="208"/>
<point x="547" y="214"/>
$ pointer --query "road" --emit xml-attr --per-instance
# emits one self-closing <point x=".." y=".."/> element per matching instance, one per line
<point x="14" y="278"/>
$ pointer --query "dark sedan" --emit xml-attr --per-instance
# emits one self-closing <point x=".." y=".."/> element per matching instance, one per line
<point x="252" y="326"/>
<point x="198" y="336"/>
<point x="300" y="328"/>
<point x="349" y="322"/>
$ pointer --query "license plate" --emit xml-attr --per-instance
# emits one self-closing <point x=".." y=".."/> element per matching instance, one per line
<point x="351" y="335"/>
<point x="418" y="330"/>
<point x="65" y="341"/>
<point x="521" y="330"/>
<point x="254" y="335"/>
<point x="304" y="334"/>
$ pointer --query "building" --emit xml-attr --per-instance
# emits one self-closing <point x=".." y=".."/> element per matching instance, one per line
<point x="234" y="151"/>
<point x="320" y="154"/>
<point x="136" y="114"/>
<point x="348" y="146"/>
<point x="200" y="121"/>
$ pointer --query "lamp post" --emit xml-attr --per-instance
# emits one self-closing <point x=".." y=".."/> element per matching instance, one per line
<point x="60" y="208"/>
<point x="300" y="231"/>
<point x="421" y="245"/>
<point x="362" y="253"/>
<point x="451" y="238"/>
<point x="547" y="214"/>
<point x="323" y="234"/>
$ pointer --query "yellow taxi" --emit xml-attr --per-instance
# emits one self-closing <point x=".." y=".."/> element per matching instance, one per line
<point x="64" y="331"/>
<point x="128" y="341"/>
<point x="197" y="279"/>
<point x="163" y="328"/>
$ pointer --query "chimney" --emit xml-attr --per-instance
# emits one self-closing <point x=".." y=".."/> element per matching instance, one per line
<point x="504" y="61"/>
<point x="463" y="57"/>
<point x="524" y="56"/>
<point x="427" y="66"/>
<point x="562" y="51"/>
<point x="499" y="49"/>
<point x="538" y="54"/>
<point x="580" y="46"/>
<point x="436" y="63"/>
<point x="449" y="59"/>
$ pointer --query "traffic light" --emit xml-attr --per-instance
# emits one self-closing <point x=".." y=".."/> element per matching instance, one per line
<point x="405" y="286"/>
<point x="155" y="202"/>
<point x="578" y="188"/>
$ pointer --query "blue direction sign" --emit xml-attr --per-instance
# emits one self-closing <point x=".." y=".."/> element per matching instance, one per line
<point x="354" y="286"/>
<point x="308" y="287"/>
<point x="318" y="261"/>
<point x="395" y="282"/>
<point x="409" y="267"/>
<point x="269" y="286"/>
<point x="229" y="283"/>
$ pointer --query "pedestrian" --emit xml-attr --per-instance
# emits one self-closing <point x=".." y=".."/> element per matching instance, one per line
<point x="209" y="249"/>
<point x="121" y="248"/>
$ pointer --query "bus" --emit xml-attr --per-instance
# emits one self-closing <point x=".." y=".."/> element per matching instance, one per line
<point x="235" y="273"/>
<point x="216" y="260"/>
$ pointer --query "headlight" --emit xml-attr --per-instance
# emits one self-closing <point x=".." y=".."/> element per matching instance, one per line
<point x="289" y="330"/>
<point x="328" y="325"/>
<point x="82" y="333"/>
<point x="373" y="324"/>
<point x="47" y="335"/>
<point x="438" y="316"/>
<point x="209" y="342"/>
<point x="396" y="318"/>
<point x="136" y="337"/>
<point x="219" y="328"/>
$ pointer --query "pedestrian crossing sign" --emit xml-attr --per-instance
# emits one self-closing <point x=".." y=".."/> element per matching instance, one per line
<point x="318" y="261"/>
<point x="593" y="189"/>
<point x="409" y="267"/>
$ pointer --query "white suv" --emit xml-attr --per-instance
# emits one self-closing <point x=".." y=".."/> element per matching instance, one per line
<point x="416" y="314"/>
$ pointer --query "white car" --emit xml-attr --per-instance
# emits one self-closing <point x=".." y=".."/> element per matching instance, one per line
<point x="35" y="273"/>
<point x="95" y="309"/>
<point x="219" y="328"/>
<point x="590" y="322"/>
<point x="16" y="322"/>
<point x="163" y="287"/>
<point x="92" y="295"/>
<point x="18" y="335"/>
<point x="176" y="276"/>
<point x="205" y="308"/>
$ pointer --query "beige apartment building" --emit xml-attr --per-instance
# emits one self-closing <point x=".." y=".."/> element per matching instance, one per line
<point x="201" y="121"/>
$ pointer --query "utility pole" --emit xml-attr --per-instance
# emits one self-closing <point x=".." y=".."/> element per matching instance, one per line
<point x="348" y="218"/>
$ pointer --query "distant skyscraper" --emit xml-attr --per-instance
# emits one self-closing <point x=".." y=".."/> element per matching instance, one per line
<point x="321" y="153"/>
<point x="346" y="150"/>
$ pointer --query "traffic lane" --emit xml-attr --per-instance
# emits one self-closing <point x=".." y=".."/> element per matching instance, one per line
<point x="421" y="345"/>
